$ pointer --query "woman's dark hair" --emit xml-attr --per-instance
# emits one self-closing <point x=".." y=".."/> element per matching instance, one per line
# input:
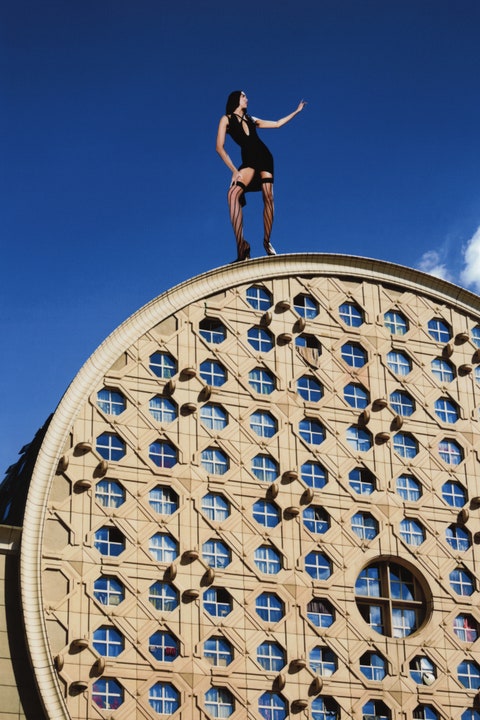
<point x="233" y="102"/>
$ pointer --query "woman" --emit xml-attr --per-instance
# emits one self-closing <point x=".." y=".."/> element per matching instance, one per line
<point x="256" y="170"/>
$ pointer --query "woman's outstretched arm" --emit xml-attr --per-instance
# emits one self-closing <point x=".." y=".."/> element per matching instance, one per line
<point x="282" y="121"/>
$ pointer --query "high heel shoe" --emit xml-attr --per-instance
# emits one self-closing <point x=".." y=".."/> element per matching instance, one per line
<point x="244" y="253"/>
<point x="269" y="249"/>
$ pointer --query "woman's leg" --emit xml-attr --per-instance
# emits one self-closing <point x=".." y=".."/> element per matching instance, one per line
<point x="235" y="196"/>
<point x="267" y="193"/>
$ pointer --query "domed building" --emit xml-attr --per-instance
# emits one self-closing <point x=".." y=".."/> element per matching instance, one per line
<point x="258" y="499"/>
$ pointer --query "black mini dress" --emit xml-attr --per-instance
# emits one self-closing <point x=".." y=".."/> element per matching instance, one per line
<point x="255" y="153"/>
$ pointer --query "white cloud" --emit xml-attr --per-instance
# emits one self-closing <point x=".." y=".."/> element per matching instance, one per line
<point x="431" y="263"/>
<point x="470" y="275"/>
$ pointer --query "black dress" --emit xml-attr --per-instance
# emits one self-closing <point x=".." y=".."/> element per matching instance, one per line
<point x="255" y="153"/>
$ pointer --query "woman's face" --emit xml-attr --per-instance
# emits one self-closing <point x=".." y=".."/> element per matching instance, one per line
<point x="243" y="101"/>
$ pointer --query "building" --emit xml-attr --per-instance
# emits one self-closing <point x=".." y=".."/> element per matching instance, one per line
<point x="259" y="498"/>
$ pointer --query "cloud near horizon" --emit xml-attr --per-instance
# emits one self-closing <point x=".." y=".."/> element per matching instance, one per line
<point x="470" y="275"/>
<point x="431" y="263"/>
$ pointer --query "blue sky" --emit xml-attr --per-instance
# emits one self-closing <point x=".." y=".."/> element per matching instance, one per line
<point x="112" y="191"/>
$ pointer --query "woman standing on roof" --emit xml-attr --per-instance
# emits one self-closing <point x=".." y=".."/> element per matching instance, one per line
<point x="256" y="170"/>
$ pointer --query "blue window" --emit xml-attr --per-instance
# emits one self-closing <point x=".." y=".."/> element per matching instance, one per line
<point x="376" y="709"/>
<point x="395" y="322"/>
<point x="212" y="330"/>
<point x="262" y="381"/>
<point x="107" y="641"/>
<point x="470" y="714"/>
<point x="462" y="582"/>
<point x="362" y="481"/>
<point x="312" y="431"/>
<point x="214" y="417"/>
<point x="108" y="590"/>
<point x="364" y="526"/>
<point x="267" y="560"/>
<point x="405" y="445"/>
<point x="450" y="451"/>
<point x="163" y="547"/>
<point x="458" y="537"/>
<point x="260" y="339"/>
<point x="266" y="513"/>
<point x="272" y="706"/>
<point x="454" y="494"/>
<point x="320" y="612"/>
<point x="325" y="708"/>
<point x="442" y="370"/>
<point x="214" y="461"/>
<point x="110" y="446"/>
<point x="421" y="668"/>
<point x="109" y="493"/>
<point x="309" y="389"/>
<point x="305" y="306"/>
<point x="218" y="651"/>
<point x="258" y="297"/>
<point x="265" y="468"/>
<point x="110" y="401"/>
<point x="399" y="362"/>
<point x="316" y="519"/>
<point x="163" y="365"/>
<point x="163" y="596"/>
<point x="446" y="410"/>
<point x="323" y="661"/>
<point x="216" y="554"/>
<point x="269" y="607"/>
<point x="263" y="424"/>
<point x="163" y="454"/>
<point x="425" y="712"/>
<point x="107" y="693"/>
<point x="351" y="314"/>
<point x="162" y="409"/>
<point x="354" y="355"/>
<point x="469" y="674"/>
<point x="439" y="330"/>
<point x="408" y="488"/>
<point x="356" y="395"/>
<point x="213" y="373"/>
<point x="163" y="646"/>
<point x="217" y="602"/>
<point x="271" y="656"/>
<point x="359" y="438"/>
<point x="476" y="335"/>
<point x="164" y="698"/>
<point x="314" y="475"/>
<point x="109" y="541"/>
<point x="215" y="507"/>
<point x="163" y="500"/>
<point x="402" y="403"/>
<point x="465" y="628"/>
<point x="373" y="666"/>
<point x="412" y="532"/>
<point x="318" y="566"/>
<point x="310" y="346"/>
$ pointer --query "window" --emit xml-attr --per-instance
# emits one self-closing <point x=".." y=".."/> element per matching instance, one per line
<point x="218" y="651"/>
<point x="439" y="330"/>
<point x="163" y="596"/>
<point x="476" y="335"/>
<point x="390" y="599"/>
<point x="458" y="537"/>
<point x="110" y="446"/>
<point x="163" y="365"/>
<point x="399" y="362"/>
<point x="359" y="438"/>
<point x="446" y="410"/>
<point x="262" y="381"/>
<point x="265" y="468"/>
<point x="320" y="612"/>
<point x="323" y="661"/>
<point x="318" y="566"/>
<point x="213" y="373"/>
<point x="214" y="417"/>
<point x="425" y="712"/>
<point x="354" y="355"/>
<point x="316" y="519"/>
<point x="109" y="541"/>
<point x="263" y="424"/>
<point x="272" y="706"/>
<point x="266" y="513"/>
<point x="216" y="554"/>
<point x="470" y="714"/>
<point x="465" y="628"/>
<point x="260" y="339"/>
<point x="217" y="602"/>
<point x="312" y="431"/>
<point x="108" y="590"/>
<point x="469" y="674"/>
<point x="356" y="396"/>
<point x="107" y="641"/>
<point x="107" y="693"/>
<point x="351" y="314"/>
<point x="163" y="454"/>
<point x="212" y="330"/>
<point x="215" y="507"/>
<point x="405" y="445"/>
<point x="219" y="702"/>
<point x="162" y="409"/>
<point x="163" y="547"/>
<point x="305" y="306"/>
<point x="109" y="493"/>
<point x="373" y="666"/>
<point x="325" y="708"/>
<point x="309" y="389"/>
<point x="214" y="461"/>
<point x="450" y="451"/>
<point x="422" y="670"/>
<point x="314" y="475"/>
<point x="258" y="297"/>
<point x="271" y="656"/>
<point x="164" y="698"/>
<point x="412" y="532"/>
<point x="307" y="343"/>
<point x="267" y="559"/>
<point x="408" y="488"/>
<point x="442" y="370"/>
<point x="163" y="646"/>
<point x="364" y="526"/>
<point x="401" y="403"/>
<point x="362" y="481"/>
<point x="454" y="494"/>
<point x="269" y="607"/>
<point x="163" y="500"/>
<point x="462" y="582"/>
<point x="376" y="710"/>
<point x="112" y="402"/>
<point x="395" y="322"/>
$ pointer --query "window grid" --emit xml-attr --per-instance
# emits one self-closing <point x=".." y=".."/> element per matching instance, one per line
<point x="446" y="410"/>
<point x="364" y="526"/>
<point x="361" y="481"/>
<point x="216" y="554"/>
<point x="162" y="410"/>
<point x="110" y="447"/>
<point x="109" y="493"/>
<point x="269" y="607"/>
<point x="163" y="454"/>
<point x="401" y="403"/>
<point x="395" y="322"/>
<point x="399" y="363"/>
<point x="258" y="298"/>
<point x="107" y="693"/>
<point x="314" y="475"/>
<point x="309" y="389"/>
<point x="439" y="330"/>
<point x="215" y="507"/>
<point x="267" y="560"/>
<point x="109" y="541"/>
<point x="218" y="651"/>
<point x="163" y="548"/>
<point x="311" y="431"/>
<point x="412" y="532"/>
<point x="354" y="355"/>
<point x="265" y="468"/>
<point x="263" y="424"/>
<point x="356" y="396"/>
<point x="107" y="641"/>
<point x="108" y="591"/>
<point x="163" y="596"/>
<point x="213" y="373"/>
<point x="270" y="656"/>
<point x="217" y="602"/>
<point x="163" y="365"/>
<point x="260" y="339"/>
<point x="212" y="330"/>
<point x="318" y="566"/>
<point x="163" y="646"/>
<point x="213" y="417"/>
<point x="214" y="461"/>
<point x="450" y="452"/>
<point x="306" y="306"/>
<point x="110" y="401"/>
<point x="442" y="370"/>
<point x="163" y="698"/>
<point x="350" y="314"/>
<point x="261" y="381"/>
<point x="408" y="488"/>
<point x="323" y="661"/>
<point x="457" y="537"/>
<point x="163" y="500"/>
<point x="266" y="514"/>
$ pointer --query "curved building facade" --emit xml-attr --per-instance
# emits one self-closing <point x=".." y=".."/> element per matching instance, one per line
<point x="259" y="498"/>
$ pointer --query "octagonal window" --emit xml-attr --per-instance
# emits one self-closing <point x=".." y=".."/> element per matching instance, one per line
<point x="258" y="297"/>
<point x="268" y="560"/>
<point x="305" y="306"/>
<point x="110" y="401"/>
<point x="454" y="494"/>
<point x="108" y="590"/>
<point x="265" y="468"/>
<point x="263" y="423"/>
<point x="261" y="380"/>
<point x="412" y="531"/>
<point x="271" y="706"/>
<point x="109" y="493"/>
<point x="320" y="612"/>
<point x="309" y="343"/>
<point x="163" y="547"/>
<point x="312" y="431"/>
<point x="216" y="554"/>
<point x="425" y="712"/>
<point x="376" y="709"/>
<point x="465" y="628"/>
<point x="402" y="403"/>
<point x="469" y="674"/>
<point x="351" y="314"/>
<point x="354" y="355"/>
<point x="269" y="607"/>
<point x="162" y="409"/>
<point x="316" y="519"/>
<point x="422" y="670"/>
<point x="213" y="373"/>
<point x="408" y="488"/>
<point x="356" y="395"/>
<point x="318" y="566"/>
<point x="364" y="525"/>
<point x="110" y="447"/>
<point x="462" y="582"/>
<point x="314" y="475"/>
<point x="470" y="714"/>
<point x="439" y="330"/>
<point x="446" y="410"/>
<point x="217" y="602"/>
<point x="164" y="698"/>
<point x="260" y="339"/>
<point x="458" y="537"/>
<point x="373" y="666"/>
<point x="163" y="454"/>
<point x="309" y="388"/>
<point x="450" y="451"/>
<point x="163" y="500"/>
<point x="163" y="365"/>
<point x="107" y="641"/>
<point x="322" y="661"/>
<point x="266" y="513"/>
<point x="325" y="708"/>
<point x="218" y="651"/>
<point x="271" y="656"/>
<point x="215" y="507"/>
<point x="163" y="646"/>
<point x="405" y="445"/>
<point x="362" y="481"/>
<point x="109" y="541"/>
<point x="213" y="416"/>
<point x="442" y="370"/>
<point x="163" y="596"/>
<point x="359" y="438"/>
<point x="212" y="330"/>
<point x="399" y="362"/>
<point x="395" y="322"/>
<point x="214" y="461"/>
<point x="107" y="693"/>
